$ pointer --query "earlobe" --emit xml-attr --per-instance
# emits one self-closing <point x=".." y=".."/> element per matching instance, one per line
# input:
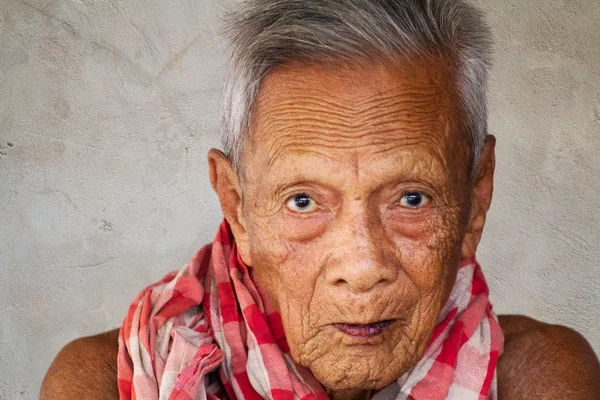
<point x="483" y="188"/>
<point x="225" y="183"/>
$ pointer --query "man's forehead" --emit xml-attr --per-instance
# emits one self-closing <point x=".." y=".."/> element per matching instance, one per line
<point x="355" y="115"/>
<point x="308" y="100"/>
<point x="355" y="81"/>
<point x="351" y="171"/>
<point x="354" y="93"/>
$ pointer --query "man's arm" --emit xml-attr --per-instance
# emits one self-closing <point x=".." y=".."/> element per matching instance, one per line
<point x="84" y="369"/>
<point x="542" y="361"/>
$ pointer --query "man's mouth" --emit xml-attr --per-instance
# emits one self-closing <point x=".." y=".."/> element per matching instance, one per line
<point x="364" y="331"/>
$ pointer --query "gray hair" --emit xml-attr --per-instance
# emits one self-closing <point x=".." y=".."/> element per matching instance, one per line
<point x="267" y="33"/>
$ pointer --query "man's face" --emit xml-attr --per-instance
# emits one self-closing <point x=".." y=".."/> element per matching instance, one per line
<point x="355" y="203"/>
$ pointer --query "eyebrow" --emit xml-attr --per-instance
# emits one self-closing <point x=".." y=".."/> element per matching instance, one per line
<point x="417" y="172"/>
<point x="282" y="187"/>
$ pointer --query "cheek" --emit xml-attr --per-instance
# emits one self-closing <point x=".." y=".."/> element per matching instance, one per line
<point x="287" y="270"/>
<point x="293" y="295"/>
<point x="427" y="242"/>
<point x="429" y="250"/>
<point x="267" y="254"/>
<point x="299" y="229"/>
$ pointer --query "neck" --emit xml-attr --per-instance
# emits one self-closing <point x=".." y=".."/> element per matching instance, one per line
<point x="349" y="394"/>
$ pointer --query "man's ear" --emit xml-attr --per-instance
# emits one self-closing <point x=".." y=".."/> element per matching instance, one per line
<point x="483" y="188"/>
<point x="225" y="183"/>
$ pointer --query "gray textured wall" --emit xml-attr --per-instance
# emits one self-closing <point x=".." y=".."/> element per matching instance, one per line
<point x="107" y="110"/>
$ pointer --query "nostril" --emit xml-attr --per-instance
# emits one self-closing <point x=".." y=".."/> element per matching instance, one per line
<point x="383" y="282"/>
<point x="340" y="282"/>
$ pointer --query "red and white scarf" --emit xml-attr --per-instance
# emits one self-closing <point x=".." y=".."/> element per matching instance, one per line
<point x="206" y="332"/>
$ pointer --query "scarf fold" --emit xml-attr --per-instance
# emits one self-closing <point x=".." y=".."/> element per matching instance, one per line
<point x="206" y="332"/>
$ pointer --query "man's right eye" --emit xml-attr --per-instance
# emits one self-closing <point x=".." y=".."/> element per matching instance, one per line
<point x="301" y="203"/>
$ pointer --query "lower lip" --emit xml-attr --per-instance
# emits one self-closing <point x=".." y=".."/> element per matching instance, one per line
<point x="363" y="331"/>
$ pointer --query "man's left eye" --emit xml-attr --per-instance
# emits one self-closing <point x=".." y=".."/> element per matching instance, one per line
<point x="413" y="200"/>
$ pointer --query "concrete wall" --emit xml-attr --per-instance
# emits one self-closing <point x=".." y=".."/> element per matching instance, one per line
<point x="107" y="110"/>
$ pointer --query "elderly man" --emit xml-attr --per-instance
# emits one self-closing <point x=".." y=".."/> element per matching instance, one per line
<point x="355" y="182"/>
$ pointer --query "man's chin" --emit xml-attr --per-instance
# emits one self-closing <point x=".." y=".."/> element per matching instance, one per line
<point x="361" y="368"/>
<point x="356" y="357"/>
<point x="353" y="382"/>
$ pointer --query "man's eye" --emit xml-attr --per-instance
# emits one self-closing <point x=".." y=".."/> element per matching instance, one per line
<point x="301" y="203"/>
<point x="413" y="200"/>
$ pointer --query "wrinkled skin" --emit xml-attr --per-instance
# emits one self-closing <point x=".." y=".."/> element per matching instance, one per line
<point x="355" y="206"/>
<point x="359" y="254"/>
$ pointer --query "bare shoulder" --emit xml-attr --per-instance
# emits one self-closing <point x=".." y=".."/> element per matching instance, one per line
<point x="84" y="369"/>
<point x="543" y="361"/>
<point x="540" y="361"/>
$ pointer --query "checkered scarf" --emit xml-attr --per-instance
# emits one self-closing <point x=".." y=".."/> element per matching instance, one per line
<point x="206" y="332"/>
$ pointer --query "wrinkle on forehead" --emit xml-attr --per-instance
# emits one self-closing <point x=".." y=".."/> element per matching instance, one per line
<point x="354" y="172"/>
<point x="354" y="116"/>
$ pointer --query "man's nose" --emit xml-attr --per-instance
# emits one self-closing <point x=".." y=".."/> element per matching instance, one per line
<point x="361" y="259"/>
